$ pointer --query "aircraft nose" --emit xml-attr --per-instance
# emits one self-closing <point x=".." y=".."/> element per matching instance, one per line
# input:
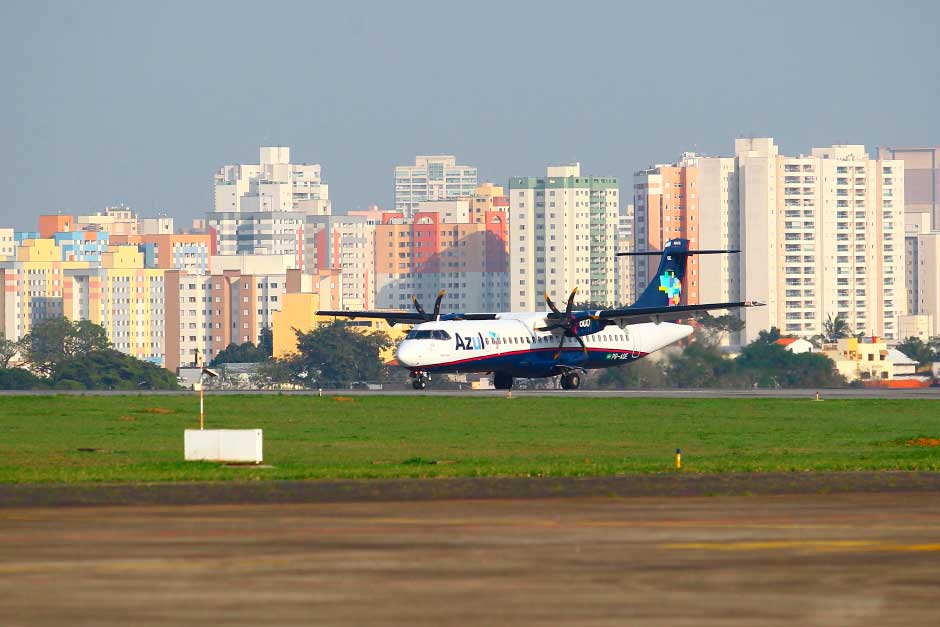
<point x="408" y="354"/>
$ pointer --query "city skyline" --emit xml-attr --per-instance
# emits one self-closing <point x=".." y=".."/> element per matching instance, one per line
<point x="117" y="104"/>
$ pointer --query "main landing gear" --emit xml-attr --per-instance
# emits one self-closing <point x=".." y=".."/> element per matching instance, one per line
<point x="502" y="381"/>
<point x="571" y="380"/>
<point x="420" y="380"/>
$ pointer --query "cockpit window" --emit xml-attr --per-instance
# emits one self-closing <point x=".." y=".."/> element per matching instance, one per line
<point x="428" y="334"/>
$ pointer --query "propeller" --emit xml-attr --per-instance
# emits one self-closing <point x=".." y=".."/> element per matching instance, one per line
<point x="437" y="307"/>
<point x="568" y="322"/>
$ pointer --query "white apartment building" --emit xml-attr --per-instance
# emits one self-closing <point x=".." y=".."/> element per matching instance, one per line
<point x="261" y="208"/>
<point x="821" y="235"/>
<point x="230" y="305"/>
<point x="562" y="229"/>
<point x="437" y="177"/>
<point x="117" y="220"/>
<point x="922" y="272"/>
<point x="161" y="225"/>
<point x="624" y="279"/>
<point x="346" y="243"/>
<point x="7" y="244"/>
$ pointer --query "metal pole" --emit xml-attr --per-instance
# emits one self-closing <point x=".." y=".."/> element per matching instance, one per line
<point x="202" y="409"/>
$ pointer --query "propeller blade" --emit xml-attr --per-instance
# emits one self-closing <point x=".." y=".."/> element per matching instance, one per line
<point x="418" y="306"/>
<point x="583" y="345"/>
<point x="551" y="305"/>
<point x="561" y="345"/>
<point x="550" y="327"/>
<point x="437" y="304"/>
<point x="571" y="301"/>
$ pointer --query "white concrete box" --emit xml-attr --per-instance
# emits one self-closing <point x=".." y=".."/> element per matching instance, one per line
<point x="223" y="445"/>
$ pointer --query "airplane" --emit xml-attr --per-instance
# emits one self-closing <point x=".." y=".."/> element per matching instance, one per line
<point x="549" y="343"/>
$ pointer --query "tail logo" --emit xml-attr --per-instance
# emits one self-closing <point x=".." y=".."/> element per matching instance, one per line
<point x="670" y="284"/>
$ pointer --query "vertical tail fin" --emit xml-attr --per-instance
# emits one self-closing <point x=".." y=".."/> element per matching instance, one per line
<point x="665" y="289"/>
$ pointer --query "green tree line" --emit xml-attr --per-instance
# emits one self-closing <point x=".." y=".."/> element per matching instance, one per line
<point x="59" y="353"/>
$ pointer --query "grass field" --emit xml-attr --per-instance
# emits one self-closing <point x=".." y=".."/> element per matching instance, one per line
<point x="141" y="438"/>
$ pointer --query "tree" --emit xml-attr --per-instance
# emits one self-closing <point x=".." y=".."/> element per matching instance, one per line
<point x="19" y="379"/>
<point x="87" y="337"/>
<point x="246" y="353"/>
<point x="714" y="329"/>
<point x="266" y="342"/>
<point x="772" y="365"/>
<point x="920" y="351"/>
<point x="836" y="328"/>
<point x="276" y="373"/>
<point x="113" y="370"/>
<point x="768" y="337"/>
<point x="332" y="355"/>
<point x="645" y="373"/>
<point x="51" y="343"/>
<point x="700" y="365"/>
<point x="8" y="350"/>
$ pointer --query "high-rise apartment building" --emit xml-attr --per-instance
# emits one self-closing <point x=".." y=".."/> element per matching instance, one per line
<point x="625" y="277"/>
<point x="436" y="177"/>
<point x="261" y="208"/>
<point x="666" y="207"/>
<point x="116" y="292"/>
<point x="232" y="304"/>
<point x="7" y="244"/>
<point x="562" y="229"/>
<point x="118" y="220"/>
<point x="921" y="179"/>
<point x="345" y="243"/>
<point x="171" y="251"/>
<point x="125" y="298"/>
<point x="33" y="286"/>
<point x="443" y="247"/>
<point x="922" y="270"/>
<point x="821" y="236"/>
<point x="55" y="223"/>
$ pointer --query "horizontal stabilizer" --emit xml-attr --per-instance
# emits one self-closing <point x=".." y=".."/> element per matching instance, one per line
<point x="657" y="253"/>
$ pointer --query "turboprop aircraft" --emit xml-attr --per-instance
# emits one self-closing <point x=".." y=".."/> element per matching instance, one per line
<point x="553" y="342"/>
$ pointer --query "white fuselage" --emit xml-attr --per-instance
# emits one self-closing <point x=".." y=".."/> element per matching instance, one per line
<point x="511" y="344"/>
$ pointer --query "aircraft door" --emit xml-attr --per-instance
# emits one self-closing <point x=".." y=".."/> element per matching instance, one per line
<point x="629" y="342"/>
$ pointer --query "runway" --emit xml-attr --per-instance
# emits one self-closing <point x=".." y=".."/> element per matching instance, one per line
<point x="862" y="393"/>
<point x="847" y="559"/>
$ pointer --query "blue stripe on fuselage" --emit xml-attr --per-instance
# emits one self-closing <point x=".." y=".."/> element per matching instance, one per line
<point x="538" y="362"/>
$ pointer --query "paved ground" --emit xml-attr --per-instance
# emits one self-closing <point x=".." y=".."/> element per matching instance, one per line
<point x="846" y="559"/>
<point x="464" y="488"/>
<point x="921" y="393"/>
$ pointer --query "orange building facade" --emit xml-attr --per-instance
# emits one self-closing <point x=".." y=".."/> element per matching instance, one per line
<point x="666" y="207"/>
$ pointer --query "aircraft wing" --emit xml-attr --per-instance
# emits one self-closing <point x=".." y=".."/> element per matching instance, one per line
<point x="392" y="317"/>
<point x="669" y="312"/>
<point x="403" y="317"/>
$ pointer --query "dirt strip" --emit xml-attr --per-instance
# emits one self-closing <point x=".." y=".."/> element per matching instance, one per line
<point x="325" y="491"/>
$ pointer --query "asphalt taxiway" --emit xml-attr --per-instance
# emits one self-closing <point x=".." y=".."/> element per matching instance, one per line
<point x="842" y="559"/>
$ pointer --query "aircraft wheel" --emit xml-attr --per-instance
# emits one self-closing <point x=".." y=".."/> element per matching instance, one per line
<point x="420" y="382"/>
<point x="570" y="381"/>
<point x="502" y="381"/>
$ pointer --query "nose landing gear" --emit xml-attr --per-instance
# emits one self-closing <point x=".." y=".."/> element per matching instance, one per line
<point x="420" y="380"/>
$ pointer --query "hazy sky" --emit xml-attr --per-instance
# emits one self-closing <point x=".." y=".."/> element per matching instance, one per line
<point x="134" y="102"/>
